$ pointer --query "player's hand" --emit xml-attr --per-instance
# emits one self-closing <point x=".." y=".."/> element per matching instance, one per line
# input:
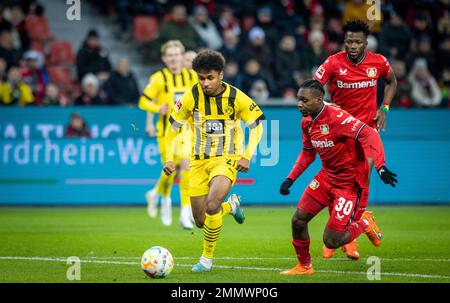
<point x="387" y="176"/>
<point x="284" y="189"/>
<point x="151" y="132"/>
<point x="164" y="109"/>
<point x="381" y="119"/>
<point x="243" y="165"/>
<point x="169" y="168"/>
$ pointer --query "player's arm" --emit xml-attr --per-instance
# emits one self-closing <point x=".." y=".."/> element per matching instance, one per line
<point x="150" y="94"/>
<point x="304" y="160"/>
<point x="180" y="113"/>
<point x="252" y="115"/>
<point x="389" y="93"/>
<point x="370" y="141"/>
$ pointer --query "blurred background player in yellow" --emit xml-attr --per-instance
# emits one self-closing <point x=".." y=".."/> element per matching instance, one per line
<point x="214" y="110"/>
<point x="164" y="89"/>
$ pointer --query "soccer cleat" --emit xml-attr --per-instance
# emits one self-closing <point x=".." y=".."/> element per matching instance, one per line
<point x="327" y="253"/>
<point x="199" y="267"/>
<point x="166" y="211"/>
<point x="152" y="203"/>
<point x="299" y="270"/>
<point x="351" y="250"/>
<point x="236" y="211"/>
<point x="372" y="230"/>
<point x="185" y="218"/>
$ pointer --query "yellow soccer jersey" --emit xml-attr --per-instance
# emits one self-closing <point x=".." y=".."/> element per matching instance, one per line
<point x="215" y="121"/>
<point x="165" y="88"/>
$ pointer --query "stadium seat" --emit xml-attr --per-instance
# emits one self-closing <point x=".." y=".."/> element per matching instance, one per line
<point x="60" y="75"/>
<point x="247" y="23"/>
<point x="145" y="28"/>
<point x="61" y="52"/>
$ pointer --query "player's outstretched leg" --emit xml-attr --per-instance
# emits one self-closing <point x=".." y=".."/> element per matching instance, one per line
<point x="372" y="230"/>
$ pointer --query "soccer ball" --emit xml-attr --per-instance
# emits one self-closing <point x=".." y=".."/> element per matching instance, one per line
<point x="157" y="262"/>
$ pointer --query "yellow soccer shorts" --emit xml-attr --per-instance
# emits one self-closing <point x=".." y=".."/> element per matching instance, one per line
<point x="202" y="171"/>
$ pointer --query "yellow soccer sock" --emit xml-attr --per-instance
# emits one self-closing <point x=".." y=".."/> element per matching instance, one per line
<point x="184" y="188"/>
<point x="211" y="232"/>
<point x="226" y="208"/>
<point x="164" y="185"/>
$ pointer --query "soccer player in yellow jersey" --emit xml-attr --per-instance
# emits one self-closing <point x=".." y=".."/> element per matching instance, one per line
<point x="214" y="110"/>
<point x="165" y="88"/>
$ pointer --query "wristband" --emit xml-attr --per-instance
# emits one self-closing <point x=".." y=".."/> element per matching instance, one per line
<point x="385" y="106"/>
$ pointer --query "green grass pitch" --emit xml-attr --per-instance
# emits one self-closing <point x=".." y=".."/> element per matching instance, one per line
<point x="35" y="243"/>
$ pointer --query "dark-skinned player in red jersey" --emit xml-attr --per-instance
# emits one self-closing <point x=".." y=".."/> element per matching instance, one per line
<point x="333" y="134"/>
<point x="352" y="75"/>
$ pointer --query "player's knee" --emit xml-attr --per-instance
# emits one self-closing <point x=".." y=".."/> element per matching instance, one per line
<point x="331" y="242"/>
<point x="212" y="207"/>
<point x="298" y="223"/>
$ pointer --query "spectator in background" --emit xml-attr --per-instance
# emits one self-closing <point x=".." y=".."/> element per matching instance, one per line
<point x="92" y="58"/>
<point x="289" y="95"/>
<point x="34" y="74"/>
<point x="205" y="28"/>
<point x="264" y="20"/>
<point x="77" y="127"/>
<point x="15" y="91"/>
<point x="121" y="88"/>
<point x="259" y="91"/>
<point x="424" y="50"/>
<point x="444" y="54"/>
<point x="287" y="63"/>
<point x="17" y="19"/>
<point x="252" y="73"/>
<point x="2" y="70"/>
<point x="90" y="87"/>
<point x="7" y="50"/>
<point x="403" y="95"/>
<point x="53" y="96"/>
<point x="314" y="53"/>
<point x="227" y="21"/>
<point x="231" y="74"/>
<point x="188" y="57"/>
<point x="395" y="38"/>
<point x="177" y="27"/>
<point x="230" y="48"/>
<point x="335" y="35"/>
<point x="299" y="31"/>
<point x="258" y="49"/>
<point x="425" y="90"/>
<point x="372" y="43"/>
<point x="421" y="24"/>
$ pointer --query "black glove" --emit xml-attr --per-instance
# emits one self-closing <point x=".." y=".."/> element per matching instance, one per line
<point x="387" y="176"/>
<point x="284" y="189"/>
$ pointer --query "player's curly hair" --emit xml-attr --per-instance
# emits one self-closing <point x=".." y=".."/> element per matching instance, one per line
<point x="313" y="84"/>
<point x="208" y="60"/>
<point x="356" y="26"/>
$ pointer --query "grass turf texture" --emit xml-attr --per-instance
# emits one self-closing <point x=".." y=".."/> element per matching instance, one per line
<point x="110" y="242"/>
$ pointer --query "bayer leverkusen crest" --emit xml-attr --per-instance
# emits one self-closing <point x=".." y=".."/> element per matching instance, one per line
<point x="324" y="129"/>
<point x="371" y="72"/>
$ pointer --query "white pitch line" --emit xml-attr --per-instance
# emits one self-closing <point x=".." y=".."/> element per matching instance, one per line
<point x="62" y="259"/>
<point x="281" y="258"/>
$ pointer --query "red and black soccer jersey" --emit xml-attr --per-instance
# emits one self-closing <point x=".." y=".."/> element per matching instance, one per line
<point x="333" y="134"/>
<point x="353" y="86"/>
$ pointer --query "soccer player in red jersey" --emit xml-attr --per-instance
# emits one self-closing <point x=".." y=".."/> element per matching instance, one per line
<point x="352" y="75"/>
<point x="333" y="134"/>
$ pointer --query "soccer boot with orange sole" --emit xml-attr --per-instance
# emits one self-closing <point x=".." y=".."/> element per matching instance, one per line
<point x="372" y="230"/>
<point x="327" y="253"/>
<point x="299" y="270"/>
<point x="351" y="250"/>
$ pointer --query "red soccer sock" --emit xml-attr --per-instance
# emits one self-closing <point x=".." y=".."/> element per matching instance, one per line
<point x="355" y="229"/>
<point x="302" y="251"/>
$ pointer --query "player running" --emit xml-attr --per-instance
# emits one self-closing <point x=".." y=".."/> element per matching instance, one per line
<point x="352" y="75"/>
<point x="340" y="184"/>
<point x="214" y="109"/>
<point x="165" y="88"/>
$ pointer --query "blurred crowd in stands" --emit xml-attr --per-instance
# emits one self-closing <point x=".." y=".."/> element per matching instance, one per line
<point x="270" y="47"/>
